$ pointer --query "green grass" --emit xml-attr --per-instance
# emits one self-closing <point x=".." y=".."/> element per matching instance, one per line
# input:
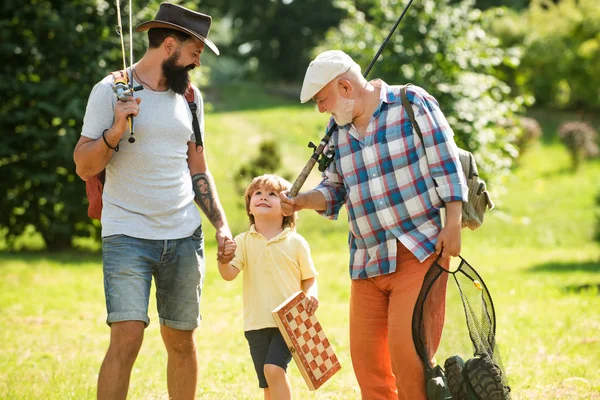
<point x="534" y="252"/>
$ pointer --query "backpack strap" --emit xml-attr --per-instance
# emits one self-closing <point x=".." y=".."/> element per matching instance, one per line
<point x="411" y="114"/>
<point x="190" y="96"/>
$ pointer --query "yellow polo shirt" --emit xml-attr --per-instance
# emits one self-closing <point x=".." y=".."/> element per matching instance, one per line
<point x="273" y="271"/>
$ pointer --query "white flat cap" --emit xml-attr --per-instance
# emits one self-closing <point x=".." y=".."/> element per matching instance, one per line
<point x="323" y="69"/>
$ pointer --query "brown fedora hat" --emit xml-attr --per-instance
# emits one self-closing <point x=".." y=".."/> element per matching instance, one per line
<point x="180" y="18"/>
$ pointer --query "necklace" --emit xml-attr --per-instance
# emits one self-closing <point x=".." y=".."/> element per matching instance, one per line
<point x="141" y="81"/>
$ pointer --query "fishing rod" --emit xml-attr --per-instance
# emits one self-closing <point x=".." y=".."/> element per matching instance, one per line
<point x="325" y="159"/>
<point x="123" y="85"/>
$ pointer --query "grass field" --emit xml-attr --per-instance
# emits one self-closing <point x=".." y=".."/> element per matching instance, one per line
<point x="534" y="252"/>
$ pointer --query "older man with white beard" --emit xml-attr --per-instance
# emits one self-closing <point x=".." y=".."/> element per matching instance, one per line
<point x="393" y="186"/>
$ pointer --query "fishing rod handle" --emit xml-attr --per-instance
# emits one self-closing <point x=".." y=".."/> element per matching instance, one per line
<point x="311" y="162"/>
<point x="302" y="177"/>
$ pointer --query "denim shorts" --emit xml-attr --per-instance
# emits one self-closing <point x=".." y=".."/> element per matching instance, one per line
<point x="178" y="269"/>
<point x="267" y="346"/>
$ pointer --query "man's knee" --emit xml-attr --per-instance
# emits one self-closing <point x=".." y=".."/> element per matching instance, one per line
<point x="177" y="341"/>
<point x="126" y="337"/>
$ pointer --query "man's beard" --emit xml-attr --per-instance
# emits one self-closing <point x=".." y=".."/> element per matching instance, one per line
<point x="178" y="78"/>
<point x="343" y="113"/>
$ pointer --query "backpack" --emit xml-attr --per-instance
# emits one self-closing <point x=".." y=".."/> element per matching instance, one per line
<point x="479" y="199"/>
<point x="95" y="185"/>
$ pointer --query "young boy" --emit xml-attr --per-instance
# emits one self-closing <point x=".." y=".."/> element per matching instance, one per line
<point x="276" y="262"/>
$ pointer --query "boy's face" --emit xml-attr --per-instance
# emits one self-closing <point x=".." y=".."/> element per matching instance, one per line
<point x="265" y="202"/>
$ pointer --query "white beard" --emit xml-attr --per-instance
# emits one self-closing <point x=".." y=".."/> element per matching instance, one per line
<point x="343" y="113"/>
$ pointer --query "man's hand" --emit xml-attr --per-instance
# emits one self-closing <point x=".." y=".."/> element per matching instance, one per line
<point x="449" y="241"/>
<point x="289" y="205"/>
<point x="123" y="109"/>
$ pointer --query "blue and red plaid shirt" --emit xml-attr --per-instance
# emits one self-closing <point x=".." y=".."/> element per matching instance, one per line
<point x="392" y="191"/>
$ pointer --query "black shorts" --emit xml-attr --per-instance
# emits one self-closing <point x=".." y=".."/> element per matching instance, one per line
<point x="267" y="347"/>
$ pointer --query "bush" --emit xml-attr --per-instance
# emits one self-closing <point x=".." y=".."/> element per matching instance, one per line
<point x="531" y="131"/>
<point x="268" y="161"/>
<point x="560" y="43"/>
<point x="597" y="232"/>
<point x="580" y="139"/>
<point x="274" y="38"/>
<point x="53" y="52"/>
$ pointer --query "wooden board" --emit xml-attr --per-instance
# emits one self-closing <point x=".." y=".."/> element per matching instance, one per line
<point x="306" y="340"/>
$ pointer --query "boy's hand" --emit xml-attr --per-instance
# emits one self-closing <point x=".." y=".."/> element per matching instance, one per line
<point x="312" y="303"/>
<point x="228" y="251"/>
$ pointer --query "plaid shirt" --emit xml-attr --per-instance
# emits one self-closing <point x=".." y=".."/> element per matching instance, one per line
<point x="392" y="191"/>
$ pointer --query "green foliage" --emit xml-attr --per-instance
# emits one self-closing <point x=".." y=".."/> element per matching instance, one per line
<point x="580" y="139"/>
<point x="53" y="52"/>
<point x="597" y="230"/>
<point x="515" y="4"/>
<point x="531" y="132"/>
<point x="561" y="51"/>
<point x="276" y="37"/>
<point x="441" y="45"/>
<point x="267" y="161"/>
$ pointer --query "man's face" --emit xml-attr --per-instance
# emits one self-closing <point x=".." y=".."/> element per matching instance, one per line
<point x="177" y="67"/>
<point x="342" y="113"/>
<point x="331" y="101"/>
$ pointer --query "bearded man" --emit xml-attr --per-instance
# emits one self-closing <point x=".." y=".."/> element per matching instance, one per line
<point x="150" y="224"/>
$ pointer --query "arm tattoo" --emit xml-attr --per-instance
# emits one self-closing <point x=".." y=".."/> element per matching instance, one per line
<point x="206" y="198"/>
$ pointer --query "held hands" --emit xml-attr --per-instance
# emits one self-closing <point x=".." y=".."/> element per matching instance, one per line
<point x="225" y="256"/>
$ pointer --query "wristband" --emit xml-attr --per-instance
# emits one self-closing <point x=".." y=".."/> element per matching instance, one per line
<point x="106" y="142"/>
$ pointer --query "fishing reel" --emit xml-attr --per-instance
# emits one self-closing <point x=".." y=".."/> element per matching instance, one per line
<point x="122" y="90"/>
<point x="325" y="158"/>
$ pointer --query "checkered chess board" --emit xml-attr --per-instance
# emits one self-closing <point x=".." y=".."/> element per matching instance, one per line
<point x="306" y="340"/>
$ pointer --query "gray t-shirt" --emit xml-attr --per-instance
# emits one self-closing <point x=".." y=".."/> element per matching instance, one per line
<point x="148" y="190"/>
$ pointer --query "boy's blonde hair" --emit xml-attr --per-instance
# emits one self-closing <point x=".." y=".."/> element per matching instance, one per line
<point x="273" y="182"/>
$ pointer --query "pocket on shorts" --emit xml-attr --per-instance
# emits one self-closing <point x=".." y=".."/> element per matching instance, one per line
<point x="198" y="235"/>
<point x="112" y="238"/>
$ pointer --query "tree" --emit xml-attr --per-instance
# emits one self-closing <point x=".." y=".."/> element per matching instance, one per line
<point x="276" y="36"/>
<point x="515" y="4"/>
<point x="54" y="52"/>
<point x="441" y="45"/>
<point x="561" y="51"/>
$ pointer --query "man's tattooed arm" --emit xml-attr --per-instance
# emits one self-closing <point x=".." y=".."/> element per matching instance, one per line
<point x="206" y="197"/>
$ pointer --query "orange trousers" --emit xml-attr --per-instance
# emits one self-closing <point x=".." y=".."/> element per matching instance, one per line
<point x="384" y="357"/>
